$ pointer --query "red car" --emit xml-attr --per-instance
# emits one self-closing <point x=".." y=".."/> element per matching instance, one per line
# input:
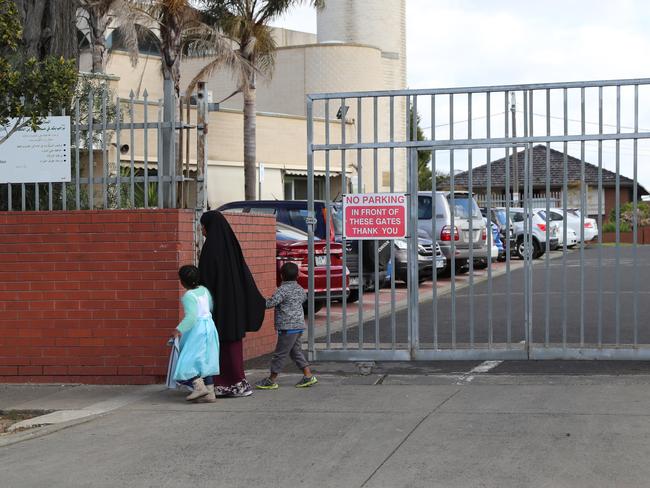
<point x="291" y="245"/>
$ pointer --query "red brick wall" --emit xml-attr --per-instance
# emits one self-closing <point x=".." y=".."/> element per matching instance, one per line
<point x="92" y="296"/>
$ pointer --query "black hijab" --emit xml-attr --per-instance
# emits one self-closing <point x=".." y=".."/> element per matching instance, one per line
<point x="239" y="307"/>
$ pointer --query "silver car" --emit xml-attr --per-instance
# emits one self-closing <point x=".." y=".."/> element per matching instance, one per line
<point x="465" y="210"/>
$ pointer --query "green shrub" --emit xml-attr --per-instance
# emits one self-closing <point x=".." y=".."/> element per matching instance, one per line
<point x="611" y="227"/>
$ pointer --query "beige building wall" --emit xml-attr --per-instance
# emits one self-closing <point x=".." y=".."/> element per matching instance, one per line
<point x="360" y="46"/>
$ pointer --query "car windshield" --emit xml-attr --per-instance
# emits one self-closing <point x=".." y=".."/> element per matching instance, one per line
<point x="465" y="206"/>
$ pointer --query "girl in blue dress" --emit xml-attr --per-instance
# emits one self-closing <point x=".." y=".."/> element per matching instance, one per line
<point x="198" y="359"/>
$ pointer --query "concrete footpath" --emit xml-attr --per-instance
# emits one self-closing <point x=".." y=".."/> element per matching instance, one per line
<point x="462" y="424"/>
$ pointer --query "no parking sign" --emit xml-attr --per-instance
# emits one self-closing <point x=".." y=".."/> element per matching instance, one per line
<point x="368" y="216"/>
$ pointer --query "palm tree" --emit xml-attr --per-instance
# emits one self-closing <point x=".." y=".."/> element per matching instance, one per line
<point x="182" y="30"/>
<point x="246" y="24"/>
<point x="99" y="14"/>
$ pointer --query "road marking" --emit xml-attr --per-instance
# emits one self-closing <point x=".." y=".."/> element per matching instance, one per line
<point x="484" y="367"/>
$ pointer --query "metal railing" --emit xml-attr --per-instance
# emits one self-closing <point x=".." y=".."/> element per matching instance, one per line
<point x="116" y="157"/>
<point x="566" y="305"/>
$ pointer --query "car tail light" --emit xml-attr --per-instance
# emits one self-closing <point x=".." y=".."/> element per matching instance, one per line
<point x="445" y="233"/>
<point x="588" y="225"/>
<point x="484" y="234"/>
<point x="542" y="227"/>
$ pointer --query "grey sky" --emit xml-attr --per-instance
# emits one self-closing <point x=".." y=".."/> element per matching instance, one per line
<point x="493" y="42"/>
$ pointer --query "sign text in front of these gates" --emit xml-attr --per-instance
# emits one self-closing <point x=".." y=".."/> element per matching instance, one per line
<point x="374" y="216"/>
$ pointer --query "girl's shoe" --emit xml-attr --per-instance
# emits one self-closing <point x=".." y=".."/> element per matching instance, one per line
<point x="200" y="390"/>
<point x="210" y="397"/>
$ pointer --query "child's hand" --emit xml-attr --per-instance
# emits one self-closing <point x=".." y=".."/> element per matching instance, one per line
<point x="176" y="334"/>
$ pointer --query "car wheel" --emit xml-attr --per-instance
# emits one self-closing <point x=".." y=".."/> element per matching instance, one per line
<point x="353" y="296"/>
<point x="462" y="267"/>
<point x="480" y="264"/>
<point x="521" y="249"/>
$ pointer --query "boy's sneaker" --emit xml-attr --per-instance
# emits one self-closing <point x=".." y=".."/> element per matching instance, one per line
<point x="266" y="384"/>
<point x="305" y="382"/>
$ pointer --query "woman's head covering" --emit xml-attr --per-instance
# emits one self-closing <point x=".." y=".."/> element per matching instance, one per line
<point x="239" y="307"/>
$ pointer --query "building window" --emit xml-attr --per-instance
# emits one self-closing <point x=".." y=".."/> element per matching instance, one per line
<point x="295" y="188"/>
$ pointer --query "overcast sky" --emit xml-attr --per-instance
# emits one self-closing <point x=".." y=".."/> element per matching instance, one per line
<point x="480" y="42"/>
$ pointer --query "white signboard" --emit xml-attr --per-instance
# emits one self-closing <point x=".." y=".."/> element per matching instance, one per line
<point x="37" y="157"/>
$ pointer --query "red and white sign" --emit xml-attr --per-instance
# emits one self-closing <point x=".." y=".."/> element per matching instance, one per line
<point x="374" y="216"/>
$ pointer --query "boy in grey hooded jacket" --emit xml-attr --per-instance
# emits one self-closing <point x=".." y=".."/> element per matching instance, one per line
<point x="289" y="324"/>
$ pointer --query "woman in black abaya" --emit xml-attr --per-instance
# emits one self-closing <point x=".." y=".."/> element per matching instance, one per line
<point x="239" y="307"/>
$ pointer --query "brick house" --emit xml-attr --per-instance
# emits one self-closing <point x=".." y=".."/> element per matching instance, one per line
<point x="498" y="173"/>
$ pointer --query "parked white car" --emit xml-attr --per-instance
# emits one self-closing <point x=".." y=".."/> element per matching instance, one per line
<point x="538" y="232"/>
<point x="573" y="224"/>
<point x="591" y="226"/>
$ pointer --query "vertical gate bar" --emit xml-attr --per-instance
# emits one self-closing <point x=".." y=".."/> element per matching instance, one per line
<point x="471" y="225"/>
<point x="22" y="197"/>
<point x="531" y="175"/>
<point x="9" y="202"/>
<point x="105" y="172"/>
<point x="310" y="229"/>
<point x="407" y="136"/>
<point x="159" y="149"/>
<point x="635" y="222"/>
<point x="360" y="242"/>
<point x="393" y="324"/>
<point x="510" y="227"/>
<point x="91" y="162"/>
<point x="583" y="208"/>
<point x="175" y="158"/>
<point x="328" y="248"/>
<point x="145" y="136"/>
<point x="132" y="148"/>
<point x="488" y="135"/>
<point x="49" y="196"/>
<point x="118" y="172"/>
<point x="37" y="197"/>
<point x="434" y="234"/>
<point x="77" y="129"/>
<point x="600" y="218"/>
<point x="618" y="216"/>
<point x="564" y="219"/>
<point x="375" y="164"/>
<point x="453" y="224"/>
<point x="528" y="220"/>
<point x="413" y="268"/>
<point x="344" y="191"/>
<point x="547" y="298"/>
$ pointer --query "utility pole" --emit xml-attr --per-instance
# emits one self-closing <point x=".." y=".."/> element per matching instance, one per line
<point x="515" y="181"/>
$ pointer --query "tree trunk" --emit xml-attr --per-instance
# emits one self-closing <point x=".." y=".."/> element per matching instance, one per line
<point x="250" y="122"/>
<point x="49" y="28"/>
<point x="98" y="20"/>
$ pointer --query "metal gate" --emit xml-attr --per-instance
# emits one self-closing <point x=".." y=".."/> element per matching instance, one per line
<point x="563" y="160"/>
